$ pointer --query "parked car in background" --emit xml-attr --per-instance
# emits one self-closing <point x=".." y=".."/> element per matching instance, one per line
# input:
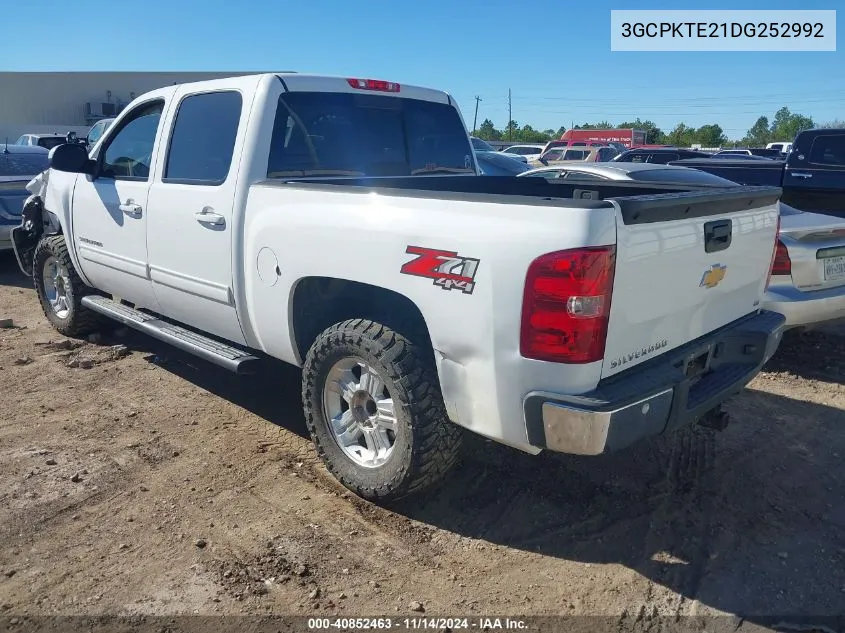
<point x="782" y="146"/>
<point x="499" y="164"/>
<point x="529" y="152"/>
<point x="47" y="141"/>
<point x="480" y="145"/>
<point x="575" y="154"/>
<point x="637" y="172"/>
<point x="812" y="175"/>
<point x="660" y="155"/>
<point x="740" y="157"/>
<point x="808" y="275"/>
<point x="754" y="151"/>
<point x="97" y="131"/>
<point x="19" y="164"/>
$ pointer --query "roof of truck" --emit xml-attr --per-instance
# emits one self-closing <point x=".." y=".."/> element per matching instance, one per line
<point x="301" y="82"/>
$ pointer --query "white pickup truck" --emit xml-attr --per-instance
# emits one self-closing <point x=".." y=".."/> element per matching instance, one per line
<point x="340" y="225"/>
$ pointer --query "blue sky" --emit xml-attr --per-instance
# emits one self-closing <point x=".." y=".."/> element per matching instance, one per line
<point x="554" y="55"/>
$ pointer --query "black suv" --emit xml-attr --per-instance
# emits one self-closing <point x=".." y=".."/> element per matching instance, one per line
<point x="658" y="155"/>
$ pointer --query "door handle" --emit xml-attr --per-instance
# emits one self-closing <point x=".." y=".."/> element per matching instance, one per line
<point x="802" y="175"/>
<point x="208" y="216"/>
<point x="717" y="235"/>
<point x="130" y="208"/>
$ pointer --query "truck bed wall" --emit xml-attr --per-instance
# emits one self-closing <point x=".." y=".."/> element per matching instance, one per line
<point x="500" y="185"/>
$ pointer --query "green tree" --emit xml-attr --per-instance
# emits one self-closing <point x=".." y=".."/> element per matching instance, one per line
<point x="510" y="131"/>
<point x="710" y="135"/>
<point x="528" y="134"/>
<point x="681" y="136"/>
<point x="560" y="132"/>
<point x="601" y="125"/>
<point x="786" y="125"/>
<point x="759" y="134"/>
<point x="488" y="131"/>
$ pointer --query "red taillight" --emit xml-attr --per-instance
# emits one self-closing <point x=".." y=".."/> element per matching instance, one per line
<point x="565" y="305"/>
<point x="782" y="265"/>
<point x="374" y="84"/>
<point x="775" y="250"/>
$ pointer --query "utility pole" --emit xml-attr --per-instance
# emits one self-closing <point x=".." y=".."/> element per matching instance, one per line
<point x="475" y="118"/>
<point x="510" y="117"/>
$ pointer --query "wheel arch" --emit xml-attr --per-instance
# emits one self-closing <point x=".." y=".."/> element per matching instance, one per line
<point x="319" y="302"/>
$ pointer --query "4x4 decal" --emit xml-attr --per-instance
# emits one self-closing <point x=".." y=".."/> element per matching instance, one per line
<point x="448" y="269"/>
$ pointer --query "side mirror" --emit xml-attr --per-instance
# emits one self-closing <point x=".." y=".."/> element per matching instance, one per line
<point x="71" y="157"/>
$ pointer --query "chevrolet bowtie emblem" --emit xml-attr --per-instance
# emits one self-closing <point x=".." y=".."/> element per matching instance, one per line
<point x="712" y="276"/>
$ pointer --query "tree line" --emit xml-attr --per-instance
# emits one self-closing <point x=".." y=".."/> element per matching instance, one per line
<point x="783" y="127"/>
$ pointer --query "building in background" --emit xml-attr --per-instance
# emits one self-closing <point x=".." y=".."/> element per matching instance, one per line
<point x="59" y="102"/>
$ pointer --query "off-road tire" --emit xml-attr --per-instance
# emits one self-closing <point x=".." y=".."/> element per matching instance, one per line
<point x="427" y="443"/>
<point x="80" y="320"/>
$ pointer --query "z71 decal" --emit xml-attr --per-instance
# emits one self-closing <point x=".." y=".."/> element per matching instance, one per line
<point x="448" y="269"/>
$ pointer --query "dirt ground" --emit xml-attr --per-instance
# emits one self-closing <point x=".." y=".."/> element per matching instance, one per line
<point x="140" y="481"/>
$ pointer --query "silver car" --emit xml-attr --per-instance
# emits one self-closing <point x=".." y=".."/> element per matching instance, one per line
<point x="808" y="275"/>
<point x="18" y="165"/>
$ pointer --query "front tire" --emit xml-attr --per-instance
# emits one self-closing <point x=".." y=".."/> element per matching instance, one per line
<point x="375" y="412"/>
<point x="60" y="289"/>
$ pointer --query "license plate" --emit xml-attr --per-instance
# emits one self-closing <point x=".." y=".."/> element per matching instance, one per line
<point x="834" y="268"/>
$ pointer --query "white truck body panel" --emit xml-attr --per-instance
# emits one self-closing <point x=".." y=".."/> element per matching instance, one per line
<point x="236" y="279"/>
<point x="660" y="300"/>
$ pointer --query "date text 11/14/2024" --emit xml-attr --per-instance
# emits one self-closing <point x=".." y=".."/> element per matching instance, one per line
<point x="416" y="624"/>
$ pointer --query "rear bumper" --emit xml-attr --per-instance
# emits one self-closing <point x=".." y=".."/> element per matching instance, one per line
<point x="657" y="396"/>
<point x="806" y="308"/>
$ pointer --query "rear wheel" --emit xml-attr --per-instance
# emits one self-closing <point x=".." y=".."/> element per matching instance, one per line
<point x="60" y="288"/>
<point x="374" y="410"/>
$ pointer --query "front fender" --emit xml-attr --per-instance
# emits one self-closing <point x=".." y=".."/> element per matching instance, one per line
<point x="25" y="237"/>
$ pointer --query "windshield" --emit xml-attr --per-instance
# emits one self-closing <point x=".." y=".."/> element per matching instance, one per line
<point x="14" y="166"/>
<point x="343" y="134"/>
<point x="481" y="146"/>
<point x="683" y="175"/>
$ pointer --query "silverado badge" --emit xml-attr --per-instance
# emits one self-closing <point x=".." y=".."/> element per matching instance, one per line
<point x="712" y="276"/>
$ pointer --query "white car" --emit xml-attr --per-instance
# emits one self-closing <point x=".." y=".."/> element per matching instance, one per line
<point x="782" y="146"/>
<point x="528" y="152"/>
<point x="46" y="141"/>
<point x="808" y="277"/>
<point x="480" y="145"/>
<point x="416" y="296"/>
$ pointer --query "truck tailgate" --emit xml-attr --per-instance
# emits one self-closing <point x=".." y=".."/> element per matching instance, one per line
<point x="686" y="264"/>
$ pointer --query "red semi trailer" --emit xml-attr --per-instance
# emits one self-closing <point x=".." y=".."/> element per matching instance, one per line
<point x="627" y="137"/>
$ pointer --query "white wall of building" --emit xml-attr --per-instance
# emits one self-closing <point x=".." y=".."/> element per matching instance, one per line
<point x="48" y="102"/>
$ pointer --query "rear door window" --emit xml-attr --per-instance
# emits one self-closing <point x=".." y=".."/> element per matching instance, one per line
<point x="829" y="150"/>
<point x="576" y="154"/>
<point x="661" y="158"/>
<point x="606" y="153"/>
<point x="203" y="138"/>
<point x="346" y="134"/>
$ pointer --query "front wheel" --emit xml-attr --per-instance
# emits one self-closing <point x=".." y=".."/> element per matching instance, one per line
<point x="60" y="289"/>
<point x="375" y="413"/>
